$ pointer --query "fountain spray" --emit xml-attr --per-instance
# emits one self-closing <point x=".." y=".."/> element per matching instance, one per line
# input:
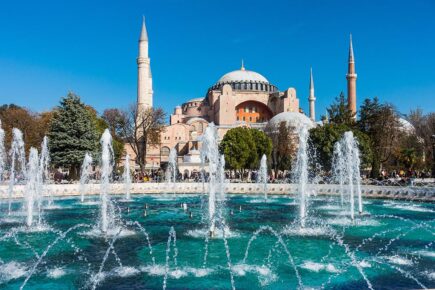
<point x="17" y="154"/>
<point x="106" y="172"/>
<point x="302" y="174"/>
<point x="43" y="174"/>
<point x="84" y="175"/>
<point x="262" y="174"/>
<point x="126" y="176"/>
<point x="2" y="152"/>
<point x="346" y="168"/>
<point x="32" y="186"/>
<point x="171" y="171"/>
<point x="216" y="164"/>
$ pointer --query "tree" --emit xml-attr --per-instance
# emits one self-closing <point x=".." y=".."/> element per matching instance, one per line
<point x="101" y="125"/>
<point x="34" y="126"/>
<point x="424" y="128"/>
<point x="380" y="123"/>
<point x="284" y="146"/>
<point x="243" y="148"/>
<point x="238" y="146"/>
<point x="72" y="134"/>
<point x="339" y="113"/>
<point x="323" y="138"/>
<point x="263" y="145"/>
<point x="141" y="129"/>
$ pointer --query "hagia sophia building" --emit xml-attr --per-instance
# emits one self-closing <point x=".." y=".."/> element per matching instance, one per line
<point x="239" y="98"/>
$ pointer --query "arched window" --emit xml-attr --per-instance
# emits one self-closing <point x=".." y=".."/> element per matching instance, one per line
<point x="165" y="151"/>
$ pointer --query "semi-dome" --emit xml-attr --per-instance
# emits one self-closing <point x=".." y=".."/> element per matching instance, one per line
<point x="242" y="75"/>
<point x="405" y="126"/>
<point x="293" y="119"/>
<point x="195" y="100"/>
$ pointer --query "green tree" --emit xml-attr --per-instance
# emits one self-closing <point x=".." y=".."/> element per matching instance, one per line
<point x="380" y="123"/>
<point x="238" y="147"/>
<point x="339" y="113"/>
<point x="72" y="134"/>
<point x="323" y="138"/>
<point x="243" y="148"/>
<point x="101" y="124"/>
<point x="263" y="145"/>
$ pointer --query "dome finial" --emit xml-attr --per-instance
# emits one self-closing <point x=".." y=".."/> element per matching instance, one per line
<point x="243" y="65"/>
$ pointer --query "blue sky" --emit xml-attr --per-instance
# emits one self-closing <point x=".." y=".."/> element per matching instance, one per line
<point x="51" y="47"/>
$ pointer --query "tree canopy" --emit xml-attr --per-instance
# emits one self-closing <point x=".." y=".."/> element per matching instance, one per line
<point x="380" y="122"/>
<point x="72" y="134"/>
<point x="243" y="148"/>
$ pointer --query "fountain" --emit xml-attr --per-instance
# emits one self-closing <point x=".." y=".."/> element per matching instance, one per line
<point x="301" y="174"/>
<point x="262" y="175"/>
<point x="84" y="175"/>
<point x="346" y="169"/>
<point x="216" y="163"/>
<point x="43" y="173"/>
<point x="106" y="215"/>
<point x="2" y="152"/>
<point x="171" y="171"/>
<point x="18" y="163"/>
<point x="394" y="246"/>
<point x="126" y="177"/>
<point x="32" y="187"/>
<point x="338" y="167"/>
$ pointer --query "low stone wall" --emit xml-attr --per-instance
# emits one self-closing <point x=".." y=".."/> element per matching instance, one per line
<point x="368" y="191"/>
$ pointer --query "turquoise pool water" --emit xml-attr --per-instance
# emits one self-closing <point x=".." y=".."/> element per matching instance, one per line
<point x="390" y="247"/>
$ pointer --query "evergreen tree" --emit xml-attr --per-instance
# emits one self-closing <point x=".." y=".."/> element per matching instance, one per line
<point x="339" y="113"/>
<point x="72" y="134"/>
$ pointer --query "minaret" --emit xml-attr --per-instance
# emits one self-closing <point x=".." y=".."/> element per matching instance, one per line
<point x="351" y="80"/>
<point x="312" y="98"/>
<point x="144" y="78"/>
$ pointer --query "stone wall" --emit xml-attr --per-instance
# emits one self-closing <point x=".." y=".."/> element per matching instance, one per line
<point x="368" y="191"/>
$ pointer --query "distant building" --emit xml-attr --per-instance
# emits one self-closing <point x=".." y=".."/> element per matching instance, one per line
<point x="239" y="98"/>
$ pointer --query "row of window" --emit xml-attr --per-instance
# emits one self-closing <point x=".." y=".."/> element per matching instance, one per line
<point x="169" y="138"/>
<point x="251" y="87"/>
<point x="252" y="119"/>
<point x="250" y="109"/>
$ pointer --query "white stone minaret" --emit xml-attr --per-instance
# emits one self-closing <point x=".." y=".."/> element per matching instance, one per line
<point x="312" y="98"/>
<point x="144" y="77"/>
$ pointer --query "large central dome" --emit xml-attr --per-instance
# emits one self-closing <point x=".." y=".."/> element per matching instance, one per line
<point x="242" y="75"/>
<point x="245" y="80"/>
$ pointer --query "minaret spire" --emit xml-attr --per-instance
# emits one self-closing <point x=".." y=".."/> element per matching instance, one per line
<point x="351" y="80"/>
<point x="351" y="56"/>
<point x="144" y="78"/>
<point x="143" y="33"/>
<point x="312" y="98"/>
